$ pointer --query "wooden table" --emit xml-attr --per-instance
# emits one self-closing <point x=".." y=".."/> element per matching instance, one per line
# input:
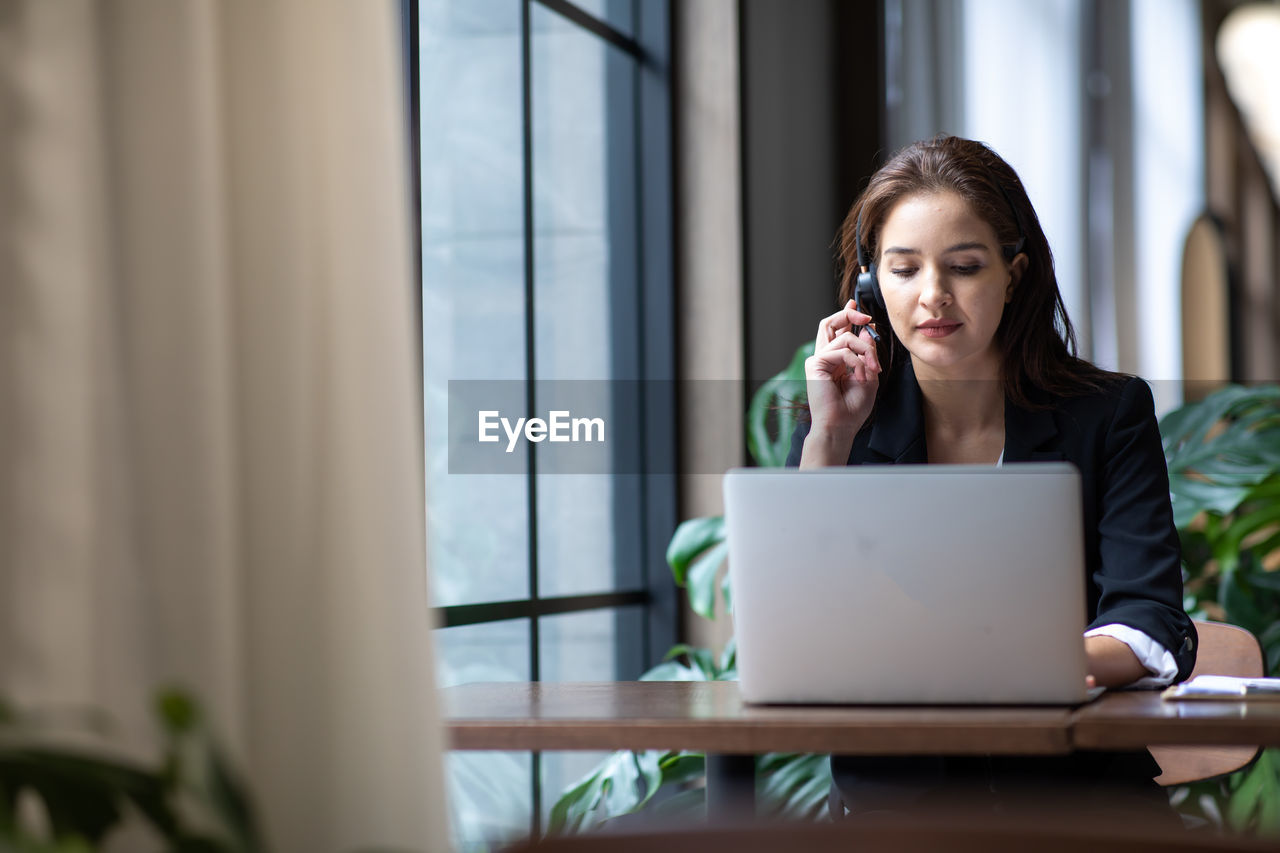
<point x="1135" y="719"/>
<point x="710" y="717"/>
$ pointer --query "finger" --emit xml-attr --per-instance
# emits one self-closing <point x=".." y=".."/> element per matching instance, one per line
<point x="853" y="319"/>
<point x="856" y="317"/>
<point x="855" y="366"/>
<point x="836" y="364"/>
<point x="862" y="345"/>
<point x="872" y="354"/>
<point x="848" y="339"/>
<point x="859" y="316"/>
<point x="831" y="325"/>
<point x="864" y="372"/>
<point x="831" y="363"/>
<point x="846" y="318"/>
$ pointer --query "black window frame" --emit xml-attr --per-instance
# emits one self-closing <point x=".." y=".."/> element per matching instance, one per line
<point x="642" y="325"/>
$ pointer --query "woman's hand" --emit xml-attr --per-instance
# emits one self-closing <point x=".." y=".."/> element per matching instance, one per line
<point x="1111" y="663"/>
<point x="841" y="378"/>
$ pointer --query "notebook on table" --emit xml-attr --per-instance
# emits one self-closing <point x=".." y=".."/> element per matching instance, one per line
<point x="908" y="584"/>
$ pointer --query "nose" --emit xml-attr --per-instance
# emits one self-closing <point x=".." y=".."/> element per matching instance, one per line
<point x="934" y="290"/>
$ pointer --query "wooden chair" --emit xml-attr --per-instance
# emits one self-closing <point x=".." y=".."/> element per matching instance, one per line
<point x="1224" y="650"/>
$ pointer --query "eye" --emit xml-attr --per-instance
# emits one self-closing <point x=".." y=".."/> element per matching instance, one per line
<point x="903" y="272"/>
<point x="966" y="269"/>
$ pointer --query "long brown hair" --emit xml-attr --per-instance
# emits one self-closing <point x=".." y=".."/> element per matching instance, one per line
<point x="1036" y="340"/>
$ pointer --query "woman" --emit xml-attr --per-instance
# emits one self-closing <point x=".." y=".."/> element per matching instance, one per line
<point x="954" y="346"/>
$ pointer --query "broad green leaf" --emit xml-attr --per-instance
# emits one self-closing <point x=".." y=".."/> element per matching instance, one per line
<point x="702" y="580"/>
<point x="1189" y="428"/>
<point x="808" y="801"/>
<point x="672" y="671"/>
<point x="1239" y="604"/>
<point x="683" y="806"/>
<point x="691" y="539"/>
<point x="680" y="767"/>
<point x="776" y="400"/>
<point x="1265" y="547"/>
<point x="1268" y="823"/>
<point x="729" y="655"/>
<point x="701" y="661"/>
<point x="1191" y="497"/>
<point x="705" y="662"/>
<point x="622" y="791"/>
<point x="1223" y="470"/>
<point x="794" y="786"/>
<point x="650" y="766"/>
<point x="227" y="794"/>
<point x="1241" y="527"/>
<point x="82" y="795"/>
<point x="1264" y="579"/>
<point x="1269" y="639"/>
<point x="575" y="804"/>
<point x="677" y="651"/>
<point x="1245" y="799"/>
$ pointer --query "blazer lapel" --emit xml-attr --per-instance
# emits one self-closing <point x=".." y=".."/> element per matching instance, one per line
<point x="1027" y="434"/>
<point x="897" y="431"/>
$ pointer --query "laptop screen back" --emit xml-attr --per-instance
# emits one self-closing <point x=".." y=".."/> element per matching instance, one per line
<point x="908" y="584"/>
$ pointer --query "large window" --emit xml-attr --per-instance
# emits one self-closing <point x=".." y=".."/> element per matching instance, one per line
<point x="546" y="258"/>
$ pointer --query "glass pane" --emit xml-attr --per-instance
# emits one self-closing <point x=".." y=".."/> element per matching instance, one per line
<point x="490" y="798"/>
<point x="491" y="651"/>
<point x="489" y="792"/>
<point x="575" y="534"/>
<point x="573" y="105"/>
<point x="596" y="645"/>
<point x="615" y="13"/>
<point x="473" y="281"/>
<point x="585" y="268"/>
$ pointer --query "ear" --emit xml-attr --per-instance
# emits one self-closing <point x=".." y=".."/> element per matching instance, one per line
<point x="1017" y="267"/>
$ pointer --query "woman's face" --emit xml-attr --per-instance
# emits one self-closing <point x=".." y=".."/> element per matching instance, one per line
<point x="945" y="283"/>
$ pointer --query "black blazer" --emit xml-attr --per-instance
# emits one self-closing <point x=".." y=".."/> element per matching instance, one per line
<point x="1132" y="553"/>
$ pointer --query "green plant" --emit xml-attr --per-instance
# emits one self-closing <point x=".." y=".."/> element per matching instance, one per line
<point x="192" y="800"/>
<point x="1224" y="478"/>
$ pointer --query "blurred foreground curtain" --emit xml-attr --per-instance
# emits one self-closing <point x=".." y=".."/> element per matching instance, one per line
<point x="209" y="452"/>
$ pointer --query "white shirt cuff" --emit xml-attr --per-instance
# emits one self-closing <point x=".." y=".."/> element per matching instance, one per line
<point x="1154" y="657"/>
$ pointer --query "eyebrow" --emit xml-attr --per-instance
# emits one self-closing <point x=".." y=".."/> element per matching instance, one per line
<point x="958" y="247"/>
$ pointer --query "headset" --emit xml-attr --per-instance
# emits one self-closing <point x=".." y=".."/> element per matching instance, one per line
<point x="866" y="291"/>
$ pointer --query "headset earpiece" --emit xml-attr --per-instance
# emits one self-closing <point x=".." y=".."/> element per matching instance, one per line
<point x="866" y="291"/>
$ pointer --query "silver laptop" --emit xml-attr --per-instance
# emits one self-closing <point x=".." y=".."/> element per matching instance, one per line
<point x="908" y="584"/>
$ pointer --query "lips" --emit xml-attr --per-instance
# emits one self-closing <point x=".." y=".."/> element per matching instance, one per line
<point x="938" y="328"/>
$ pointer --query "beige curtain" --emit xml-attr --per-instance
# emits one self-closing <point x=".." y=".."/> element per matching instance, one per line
<point x="210" y="463"/>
